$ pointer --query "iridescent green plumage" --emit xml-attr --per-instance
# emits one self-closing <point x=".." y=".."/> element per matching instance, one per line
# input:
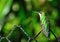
<point x="44" y="23"/>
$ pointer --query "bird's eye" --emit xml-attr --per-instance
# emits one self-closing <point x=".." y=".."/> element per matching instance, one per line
<point x="40" y="12"/>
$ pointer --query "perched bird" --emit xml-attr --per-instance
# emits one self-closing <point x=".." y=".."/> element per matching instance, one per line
<point x="45" y="24"/>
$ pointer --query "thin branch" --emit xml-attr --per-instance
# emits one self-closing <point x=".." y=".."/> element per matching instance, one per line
<point x="37" y="35"/>
<point x="10" y="32"/>
<point x="23" y="31"/>
<point x="54" y="35"/>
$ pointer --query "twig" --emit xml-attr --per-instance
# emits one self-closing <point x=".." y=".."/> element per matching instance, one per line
<point x="23" y="31"/>
<point x="37" y="35"/>
<point x="54" y="35"/>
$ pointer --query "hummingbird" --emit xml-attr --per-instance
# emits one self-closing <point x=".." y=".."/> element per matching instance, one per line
<point x="45" y="25"/>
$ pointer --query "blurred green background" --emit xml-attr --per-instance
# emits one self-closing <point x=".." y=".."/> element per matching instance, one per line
<point x="19" y="12"/>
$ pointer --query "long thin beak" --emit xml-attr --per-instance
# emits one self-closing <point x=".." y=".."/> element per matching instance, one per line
<point x="35" y="12"/>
